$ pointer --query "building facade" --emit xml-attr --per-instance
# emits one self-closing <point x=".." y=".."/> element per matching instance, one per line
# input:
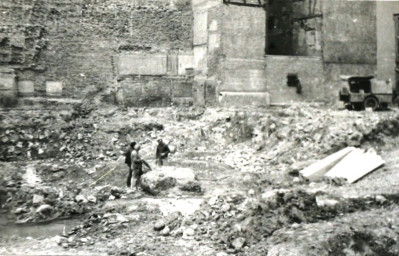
<point x="259" y="45"/>
<point x="209" y="52"/>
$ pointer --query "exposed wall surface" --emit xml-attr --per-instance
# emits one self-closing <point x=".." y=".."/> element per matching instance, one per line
<point x="244" y="31"/>
<point x="153" y="91"/>
<point x="386" y="47"/>
<point x="244" y="75"/>
<point x="309" y="71"/>
<point x="148" y="50"/>
<point x="153" y="79"/>
<point x="349" y="32"/>
<point x="200" y="47"/>
<point x="243" y="41"/>
<point x="75" y="41"/>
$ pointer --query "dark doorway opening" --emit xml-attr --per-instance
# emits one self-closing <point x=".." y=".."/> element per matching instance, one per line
<point x="294" y="27"/>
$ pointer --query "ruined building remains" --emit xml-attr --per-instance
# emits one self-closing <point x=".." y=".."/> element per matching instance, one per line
<point x="206" y="52"/>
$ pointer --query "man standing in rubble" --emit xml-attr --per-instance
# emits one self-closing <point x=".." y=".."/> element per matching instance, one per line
<point x="128" y="161"/>
<point x="162" y="152"/>
<point x="137" y="165"/>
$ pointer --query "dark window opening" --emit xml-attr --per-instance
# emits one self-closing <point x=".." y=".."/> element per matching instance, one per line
<point x="293" y="81"/>
<point x="294" y="28"/>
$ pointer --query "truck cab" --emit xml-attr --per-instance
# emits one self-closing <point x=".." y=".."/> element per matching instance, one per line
<point x="361" y="92"/>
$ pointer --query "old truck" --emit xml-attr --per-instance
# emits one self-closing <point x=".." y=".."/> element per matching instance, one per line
<point x="361" y="92"/>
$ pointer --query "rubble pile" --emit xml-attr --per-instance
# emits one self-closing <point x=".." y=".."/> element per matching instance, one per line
<point x="49" y="135"/>
<point x="50" y="190"/>
<point x="41" y="203"/>
<point x="44" y="203"/>
<point x="102" y="225"/>
<point x="371" y="232"/>
<point x="234" y="222"/>
<point x="288" y="137"/>
<point x="97" y="227"/>
<point x="234" y="162"/>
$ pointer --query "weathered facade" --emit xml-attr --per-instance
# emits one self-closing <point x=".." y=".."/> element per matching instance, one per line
<point x="64" y="47"/>
<point x="212" y="52"/>
<point x="314" y="41"/>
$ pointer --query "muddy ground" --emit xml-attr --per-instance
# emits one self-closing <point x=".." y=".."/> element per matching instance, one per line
<point x="231" y="187"/>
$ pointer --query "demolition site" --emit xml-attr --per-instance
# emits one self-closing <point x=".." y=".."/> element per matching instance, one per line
<point x="199" y="127"/>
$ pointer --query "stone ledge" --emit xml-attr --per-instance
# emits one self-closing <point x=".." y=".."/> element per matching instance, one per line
<point x="227" y="99"/>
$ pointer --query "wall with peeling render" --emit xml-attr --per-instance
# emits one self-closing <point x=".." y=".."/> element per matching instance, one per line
<point x="78" y="42"/>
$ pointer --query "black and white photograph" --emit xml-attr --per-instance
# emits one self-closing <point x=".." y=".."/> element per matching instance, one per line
<point x="199" y="127"/>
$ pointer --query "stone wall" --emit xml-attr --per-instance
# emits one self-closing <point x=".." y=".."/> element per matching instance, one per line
<point x="75" y="42"/>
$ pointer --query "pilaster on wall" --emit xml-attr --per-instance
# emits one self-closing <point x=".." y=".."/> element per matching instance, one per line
<point x="206" y="41"/>
<point x="229" y="39"/>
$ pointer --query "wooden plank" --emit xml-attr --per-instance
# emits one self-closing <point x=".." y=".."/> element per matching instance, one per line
<point x="355" y="165"/>
<point x="317" y="170"/>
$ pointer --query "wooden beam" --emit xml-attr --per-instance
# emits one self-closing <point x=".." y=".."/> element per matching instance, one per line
<point x="250" y="3"/>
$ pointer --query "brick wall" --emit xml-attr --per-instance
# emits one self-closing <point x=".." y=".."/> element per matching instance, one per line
<point x="76" y="41"/>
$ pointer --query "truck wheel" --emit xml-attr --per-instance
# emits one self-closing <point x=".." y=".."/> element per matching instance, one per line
<point x="371" y="102"/>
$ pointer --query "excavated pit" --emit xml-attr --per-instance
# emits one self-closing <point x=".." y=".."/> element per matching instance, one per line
<point x="243" y="163"/>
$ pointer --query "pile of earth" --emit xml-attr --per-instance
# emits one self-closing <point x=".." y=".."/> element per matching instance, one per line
<point x="43" y="135"/>
<point x="232" y="223"/>
<point x="46" y="192"/>
<point x="371" y="232"/>
<point x="286" y="140"/>
<point x="236" y="223"/>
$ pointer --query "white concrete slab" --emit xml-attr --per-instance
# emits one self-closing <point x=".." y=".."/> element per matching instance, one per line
<point x="355" y="165"/>
<point x="317" y="170"/>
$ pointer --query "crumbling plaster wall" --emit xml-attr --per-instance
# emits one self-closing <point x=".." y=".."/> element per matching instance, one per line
<point x="78" y="42"/>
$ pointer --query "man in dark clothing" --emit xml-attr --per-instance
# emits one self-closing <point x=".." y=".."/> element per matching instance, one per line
<point x="137" y="165"/>
<point x="128" y="161"/>
<point x="162" y="152"/>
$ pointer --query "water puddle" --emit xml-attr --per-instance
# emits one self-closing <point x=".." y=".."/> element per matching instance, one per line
<point x="38" y="230"/>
